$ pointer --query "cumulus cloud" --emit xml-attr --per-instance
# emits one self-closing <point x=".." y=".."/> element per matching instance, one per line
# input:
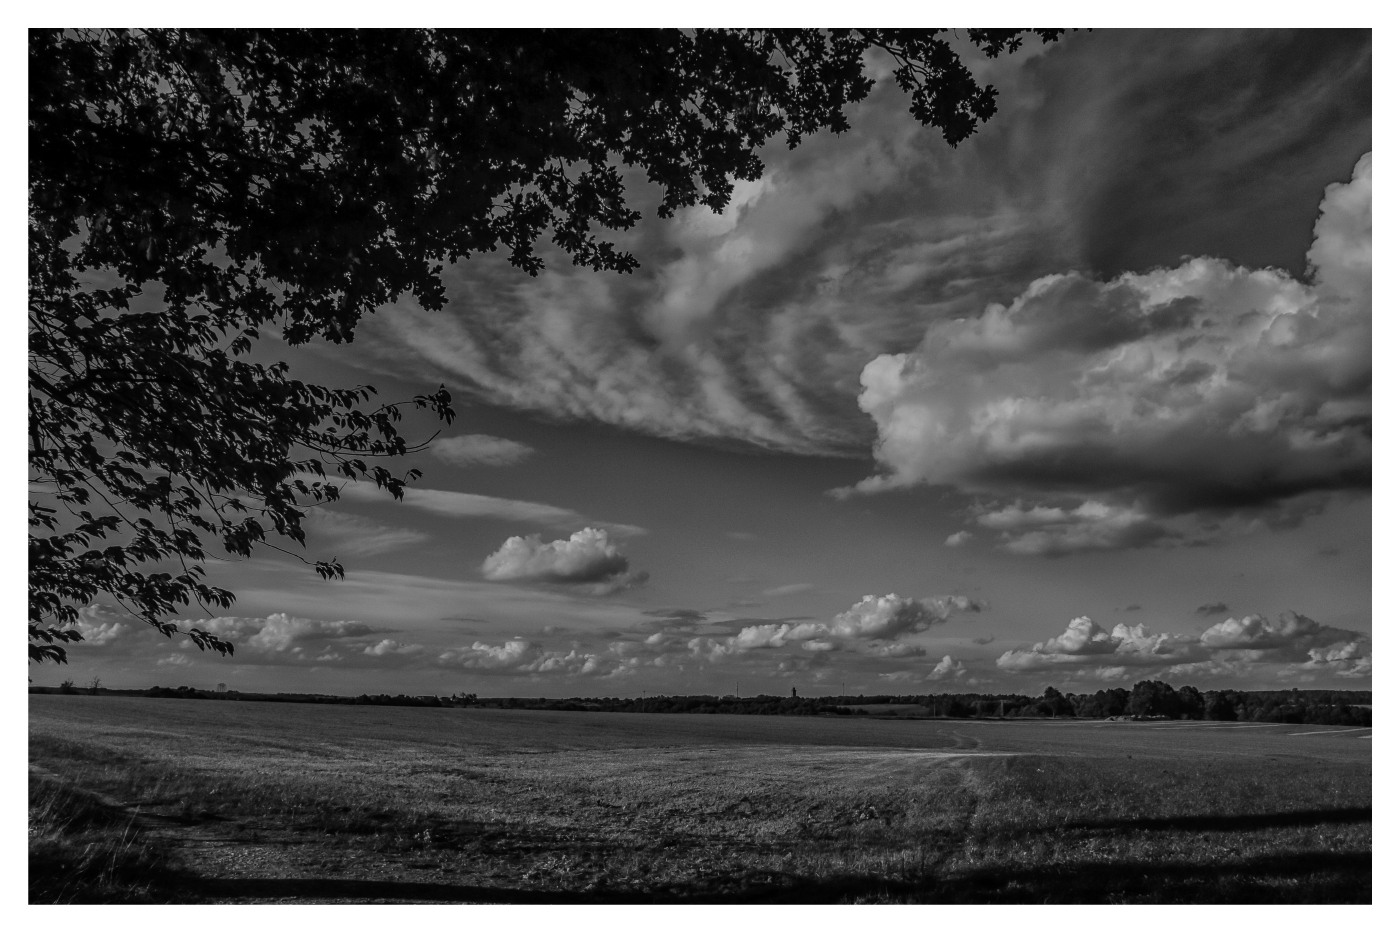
<point x="871" y="627"/>
<point x="892" y="616"/>
<point x="277" y="633"/>
<point x="1115" y="406"/>
<point x="947" y="668"/>
<point x="958" y="538"/>
<point x="1092" y="526"/>
<point x="587" y="558"/>
<point x="1291" y="635"/>
<point x="518" y="656"/>
<point x="1233" y="646"/>
<point x="389" y="646"/>
<point x="1085" y="642"/>
<point x="893" y="649"/>
<point x="480" y="450"/>
<point x="101" y="625"/>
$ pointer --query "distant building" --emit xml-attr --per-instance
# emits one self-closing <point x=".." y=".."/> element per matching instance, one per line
<point x="221" y="688"/>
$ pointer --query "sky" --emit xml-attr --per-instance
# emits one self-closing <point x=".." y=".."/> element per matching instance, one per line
<point x="1081" y="402"/>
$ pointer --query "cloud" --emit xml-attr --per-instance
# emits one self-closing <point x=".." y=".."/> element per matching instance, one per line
<point x="1234" y="647"/>
<point x="946" y="668"/>
<point x="1212" y="609"/>
<point x="788" y="589"/>
<point x="389" y="646"/>
<point x="101" y="625"/>
<point x="278" y="632"/>
<point x="587" y="557"/>
<point x="470" y="505"/>
<point x="399" y="601"/>
<point x="480" y="450"/>
<point x="354" y="534"/>
<point x="958" y="538"/>
<point x="984" y="640"/>
<point x="894" y="649"/>
<point x="871" y="627"/>
<point x="518" y="656"/>
<point x="1053" y="532"/>
<point x="671" y="620"/>
<point x="1204" y="389"/>
<point x="892" y="616"/>
<point x="753" y="325"/>
<point x="1291" y="636"/>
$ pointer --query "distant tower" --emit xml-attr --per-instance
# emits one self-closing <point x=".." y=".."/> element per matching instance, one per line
<point x="794" y="691"/>
<point x="221" y="688"/>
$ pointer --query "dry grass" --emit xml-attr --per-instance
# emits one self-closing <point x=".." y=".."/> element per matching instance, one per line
<point x="84" y="851"/>
<point x="368" y="813"/>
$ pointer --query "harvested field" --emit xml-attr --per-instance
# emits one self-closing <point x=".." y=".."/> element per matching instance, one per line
<point x="268" y="802"/>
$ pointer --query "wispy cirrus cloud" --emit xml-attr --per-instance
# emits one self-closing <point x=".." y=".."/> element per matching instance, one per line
<point x="480" y="450"/>
<point x="788" y="589"/>
<point x="355" y="534"/>
<point x="471" y="505"/>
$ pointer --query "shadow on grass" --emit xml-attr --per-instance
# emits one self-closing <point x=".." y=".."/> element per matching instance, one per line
<point x="1309" y="877"/>
<point x="1231" y="823"/>
<point x="1296" y="877"/>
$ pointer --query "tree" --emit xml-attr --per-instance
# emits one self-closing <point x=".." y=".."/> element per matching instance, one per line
<point x="1192" y="702"/>
<point x="191" y="192"/>
<point x="1154" y="698"/>
<point x="1223" y="705"/>
<point x="1053" y="703"/>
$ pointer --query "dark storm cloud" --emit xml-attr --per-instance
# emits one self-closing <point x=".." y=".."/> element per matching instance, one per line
<point x="1212" y="609"/>
<point x="1222" y="141"/>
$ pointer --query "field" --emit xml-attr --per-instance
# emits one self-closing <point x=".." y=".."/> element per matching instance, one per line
<point x="190" y="801"/>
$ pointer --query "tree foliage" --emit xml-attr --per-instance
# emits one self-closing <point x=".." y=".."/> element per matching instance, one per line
<point x="192" y="192"/>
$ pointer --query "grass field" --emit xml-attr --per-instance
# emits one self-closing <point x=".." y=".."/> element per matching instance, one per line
<point x="198" y="801"/>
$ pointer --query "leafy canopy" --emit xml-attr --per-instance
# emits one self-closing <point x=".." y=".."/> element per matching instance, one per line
<point x="191" y="192"/>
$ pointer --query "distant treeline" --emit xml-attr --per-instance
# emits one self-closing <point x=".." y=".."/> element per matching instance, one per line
<point x="1154" y="698"/>
<point x="1146" y="700"/>
<point x="760" y="705"/>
